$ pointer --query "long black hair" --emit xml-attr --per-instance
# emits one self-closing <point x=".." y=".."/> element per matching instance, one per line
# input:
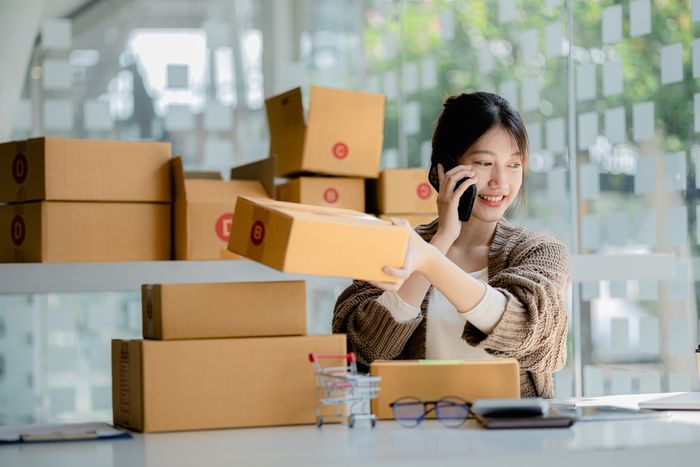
<point x="467" y="117"/>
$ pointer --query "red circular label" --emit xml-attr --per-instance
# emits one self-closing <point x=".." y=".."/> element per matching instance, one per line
<point x="257" y="233"/>
<point x="424" y="191"/>
<point x="223" y="226"/>
<point x="331" y="195"/>
<point x="340" y="150"/>
<point x="20" y="168"/>
<point x="17" y="230"/>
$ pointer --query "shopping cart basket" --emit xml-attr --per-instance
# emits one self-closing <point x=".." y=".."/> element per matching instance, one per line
<point x="343" y="393"/>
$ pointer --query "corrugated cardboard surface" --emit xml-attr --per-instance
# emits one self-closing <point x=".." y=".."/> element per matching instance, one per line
<point x="413" y="219"/>
<point x="216" y="383"/>
<point x="61" y="169"/>
<point x="316" y="240"/>
<point x="240" y="309"/>
<point x="204" y="212"/>
<point x="343" y="136"/>
<point x="49" y="231"/>
<point x="432" y="380"/>
<point x="406" y="191"/>
<point x="336" y="192"/>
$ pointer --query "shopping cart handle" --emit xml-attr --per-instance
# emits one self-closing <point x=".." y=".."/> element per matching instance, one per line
<point x="350" y="357"/>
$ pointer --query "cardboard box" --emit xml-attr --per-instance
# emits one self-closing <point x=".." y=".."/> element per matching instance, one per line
<point x="216" y="383"/>
<point x="318" y="240"/>
<point x="413" y="219"/>
<point x="262" y="171"/>
<point x="343" y="136"/>
<point x="54" y="231"/>
<point x="406" y="191"/>
<point x="60" y="169"/>
<point x="433" y="379"/>
<point x="203" y="216"/>
<point x="337" y="192"/>
<point x="240" y="309"/>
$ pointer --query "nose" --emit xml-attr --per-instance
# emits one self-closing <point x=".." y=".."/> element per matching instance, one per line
<point x="498" y="177"/>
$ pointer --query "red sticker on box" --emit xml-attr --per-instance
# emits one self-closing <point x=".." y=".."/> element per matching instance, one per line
<point x="20" y="168"/>
<point x="331" y="195"/>
<point x="223" y="226"/>
<point x="424" y="191"/>
<point x="18" y="230"/>
<point x="340" y="150"/>
<point x="257" y="233"/>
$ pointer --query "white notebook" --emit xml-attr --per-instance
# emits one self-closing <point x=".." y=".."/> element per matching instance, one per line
<point x="682" y="401"/>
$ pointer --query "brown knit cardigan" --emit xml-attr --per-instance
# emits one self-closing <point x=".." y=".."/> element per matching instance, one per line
<point x="531" y="268"/>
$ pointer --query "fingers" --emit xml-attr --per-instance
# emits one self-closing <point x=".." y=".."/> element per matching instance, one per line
<point x="441" y="174"/>
<point x="459" y="191"/>
<point x="453" y="176"/>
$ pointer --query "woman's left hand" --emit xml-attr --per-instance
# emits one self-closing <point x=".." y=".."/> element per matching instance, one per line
<point x="417" y="254"/>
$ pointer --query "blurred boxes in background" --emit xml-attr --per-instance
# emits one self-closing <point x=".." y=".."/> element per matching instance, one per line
<point x="343" y="135"/>
<point x="240" y="309"/>
<point x="337" y="192"/>
<point x="54" y="231"/>
<point x="84" y="200"/>
<point x="307" y="239"/>
<point x="431" y="380"/>
<point x="204" y="212"/>
<point x="60" y="169"/>
<point x="216" y="383"/>
<point x="405" y="191"/>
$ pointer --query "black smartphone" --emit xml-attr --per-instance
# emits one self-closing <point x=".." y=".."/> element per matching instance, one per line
<point x="466" y="202"/>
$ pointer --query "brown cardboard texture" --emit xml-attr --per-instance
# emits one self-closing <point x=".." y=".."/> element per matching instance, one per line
<point x="343" y="135"/>
<point x="237" y="309"/>
<point x="61" y="169"/>
<point x="318" y="240"/>
<point x="216" y="383"/>
<point x="262" y="171"/>
<point x="336" y="192"/>
<point x="414" y="219"/>
<point x="54" y="231"/>
<point x="433" y="379"/>
<point x="406" y="191"/>
<point x="203" y="216"/>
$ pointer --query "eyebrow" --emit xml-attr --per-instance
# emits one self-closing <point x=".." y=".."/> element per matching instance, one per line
<point x="491" y="153"/>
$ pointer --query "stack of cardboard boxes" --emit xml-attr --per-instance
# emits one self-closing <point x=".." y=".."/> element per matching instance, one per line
<point x="328" y="157"/>
<point x="84" y="200"/>
<point x="219" y="356"/>
<point x="406" y="194"/>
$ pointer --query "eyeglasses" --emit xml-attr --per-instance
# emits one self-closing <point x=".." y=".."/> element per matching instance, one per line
<point x="411" y="411"/>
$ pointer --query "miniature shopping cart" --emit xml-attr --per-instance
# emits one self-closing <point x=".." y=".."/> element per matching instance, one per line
<point x="343" y="393"/>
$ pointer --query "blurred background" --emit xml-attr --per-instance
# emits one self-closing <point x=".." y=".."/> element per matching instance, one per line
<point x="608" y="90"/>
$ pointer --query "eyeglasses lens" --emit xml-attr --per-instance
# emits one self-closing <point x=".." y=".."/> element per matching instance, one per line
<point x="408" y="412"/>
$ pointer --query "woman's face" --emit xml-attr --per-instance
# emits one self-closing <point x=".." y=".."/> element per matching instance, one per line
<point x="498" y="164"/>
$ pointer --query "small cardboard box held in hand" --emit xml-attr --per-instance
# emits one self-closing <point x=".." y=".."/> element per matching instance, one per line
<point x="318" y="240"/>
<point x="237" y="309"/>
<point x="335" y="192"/>
<point x="216" y="383"/>
<point x="433" y="379"/>
<point x="203" y="216"/>
<point x="61" y="169"/>
<point x="55" y="231"/>
<point x="343" y="135"/>
<point x="413" y="219"/>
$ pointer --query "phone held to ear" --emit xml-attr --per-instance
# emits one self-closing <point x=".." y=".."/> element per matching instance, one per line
<point x="466" y="201"/>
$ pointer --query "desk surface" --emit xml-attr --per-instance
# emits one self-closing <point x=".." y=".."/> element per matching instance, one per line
<point x="646" y="442"/>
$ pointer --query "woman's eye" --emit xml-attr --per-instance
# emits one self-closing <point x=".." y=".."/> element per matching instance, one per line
<point x="516" y="165"/>
<point x="483" y="163"/>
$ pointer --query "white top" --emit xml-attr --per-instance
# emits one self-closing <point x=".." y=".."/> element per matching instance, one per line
<point x="445" y="324"/>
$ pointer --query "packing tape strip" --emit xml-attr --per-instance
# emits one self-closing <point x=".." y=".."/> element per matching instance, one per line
<point x="259" y="230"/>
<point x="21" y="149"/>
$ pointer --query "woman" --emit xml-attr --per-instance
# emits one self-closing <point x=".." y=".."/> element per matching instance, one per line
<point x="469" y="289"/>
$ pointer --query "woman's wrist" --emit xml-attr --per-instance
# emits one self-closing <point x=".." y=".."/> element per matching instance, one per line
<point x="441" y="242"/>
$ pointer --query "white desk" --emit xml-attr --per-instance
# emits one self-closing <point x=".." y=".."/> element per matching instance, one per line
<point x="673" y="441"/>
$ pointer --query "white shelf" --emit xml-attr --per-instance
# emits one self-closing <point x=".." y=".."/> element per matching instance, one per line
<point x="99" y="277"/>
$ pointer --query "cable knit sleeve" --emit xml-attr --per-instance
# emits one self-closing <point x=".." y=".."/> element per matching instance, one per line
<point x="372" y="331"/>
<point x="534" y="277"/>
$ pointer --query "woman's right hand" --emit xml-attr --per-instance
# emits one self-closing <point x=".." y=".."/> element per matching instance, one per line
<point x="448" y="201"/>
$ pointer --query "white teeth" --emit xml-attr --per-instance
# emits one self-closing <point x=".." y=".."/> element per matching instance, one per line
<point x="493" y="199"/>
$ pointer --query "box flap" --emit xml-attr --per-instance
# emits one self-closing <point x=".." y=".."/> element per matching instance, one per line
<point x="197" y="190"/>
<point x="178" y="177"/>
<point x="262" y="171"/>
<point x="350" y="110"/>
<point x="285" y="111"/>
<point x="318" y="213"/>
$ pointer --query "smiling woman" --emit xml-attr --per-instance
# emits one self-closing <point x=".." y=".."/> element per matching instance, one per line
<point x="470" y="287"/>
